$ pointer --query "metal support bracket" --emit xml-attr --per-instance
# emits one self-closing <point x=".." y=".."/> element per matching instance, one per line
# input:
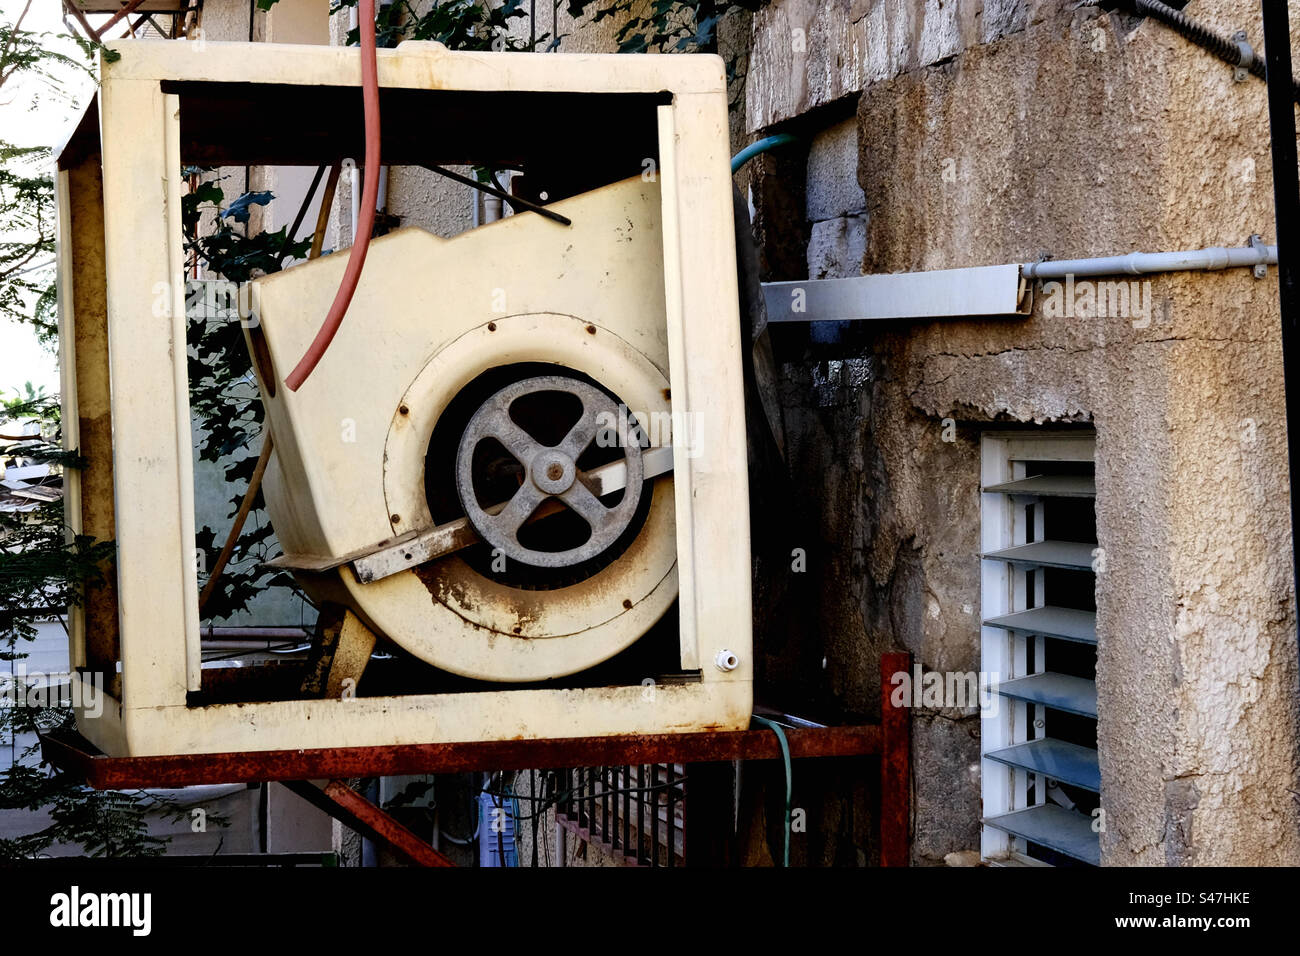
<point x="339" y="656"/>
<point x="1247" y="56"/>
<point x="1256" y="241"/>
<point x="947" y="293"/>
<point x="357" y="813"/>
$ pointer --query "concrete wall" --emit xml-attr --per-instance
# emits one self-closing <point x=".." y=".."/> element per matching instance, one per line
<point x="991" y="135"/>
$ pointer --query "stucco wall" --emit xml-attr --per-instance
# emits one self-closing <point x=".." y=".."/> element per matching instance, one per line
<point x="1077" y="133"/>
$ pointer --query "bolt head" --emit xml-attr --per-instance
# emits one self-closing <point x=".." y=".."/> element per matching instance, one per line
<point x="553" y="471"/>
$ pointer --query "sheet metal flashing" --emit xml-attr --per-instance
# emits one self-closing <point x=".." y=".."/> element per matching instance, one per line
<point x="946" y="293"/>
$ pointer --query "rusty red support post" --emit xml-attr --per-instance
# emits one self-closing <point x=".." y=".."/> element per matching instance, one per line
<point x="126" y="11"/>
<point x="895" y="766"/>
<point x="80" y="17"/>
<point x="353" y="810"/>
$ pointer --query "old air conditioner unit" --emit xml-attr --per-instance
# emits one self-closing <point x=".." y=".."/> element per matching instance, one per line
<point x="521" y="466"/>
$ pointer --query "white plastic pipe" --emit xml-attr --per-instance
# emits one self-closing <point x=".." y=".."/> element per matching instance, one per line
<point x="1139" y="263"/>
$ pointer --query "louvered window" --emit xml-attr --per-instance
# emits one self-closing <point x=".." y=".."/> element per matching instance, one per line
<point x="1039" y="774"/>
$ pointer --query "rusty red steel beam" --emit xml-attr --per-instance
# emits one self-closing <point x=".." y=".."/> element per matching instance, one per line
<point x="139" y="21"/>
<point x="895" y="766"/>
<point x="126" y="11"/>
<point x="183" y="770"/>
<point x="80" y="17"/>
<point x="353" y="810"/>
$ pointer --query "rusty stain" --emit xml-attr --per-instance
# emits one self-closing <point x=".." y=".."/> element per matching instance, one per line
<point x="403" y="410"/>
<point x="591" y="330"/>
<point x="668" y="394"/>
<point x="395" y="519"/>
<point x="492" y="326"/>
<point x="451" y="583"/>
<point x="627" y="603"/>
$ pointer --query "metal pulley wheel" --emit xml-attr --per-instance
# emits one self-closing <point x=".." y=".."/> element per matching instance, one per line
<point x="550" y="471"/>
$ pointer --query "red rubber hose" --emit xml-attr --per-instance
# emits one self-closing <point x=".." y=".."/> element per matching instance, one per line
<point x="369" y="196"/>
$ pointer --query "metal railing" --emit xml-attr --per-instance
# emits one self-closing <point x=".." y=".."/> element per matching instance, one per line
<point x="633" y="813"/>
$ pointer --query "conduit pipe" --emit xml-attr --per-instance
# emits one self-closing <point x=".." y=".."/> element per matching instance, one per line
<point x="1140" y="263"/>
<point x="1234" y="50"/>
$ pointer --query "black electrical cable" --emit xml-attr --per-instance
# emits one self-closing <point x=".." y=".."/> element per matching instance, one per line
<point x="302" y="212"/>
<point x="657" y="786"/>
<point x="555" y="799"/>
<point x="515" y="202"/>
<point x="1225" y="48"/>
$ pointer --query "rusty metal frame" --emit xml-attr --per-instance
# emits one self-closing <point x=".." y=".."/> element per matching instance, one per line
<point x="895" y="767"/>
<point x="185" y="770"/>
<point x="889" y="740"/>
<point x="123" y="13"/>
<point x="72" y="8"/>
<point x="895" y="777"/>
<point x="127" y="9"/>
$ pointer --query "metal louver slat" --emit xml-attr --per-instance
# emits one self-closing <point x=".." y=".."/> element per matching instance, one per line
<point x="1057" y="759"/>
<point x="1074" y="695"/>
<point x="1061" y="622"/>
<point x="1054" y="827"/>
<point x="1049" y="486"/>
<point x="1074" y="555"/>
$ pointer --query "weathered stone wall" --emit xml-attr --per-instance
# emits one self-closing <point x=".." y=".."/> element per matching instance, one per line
<point x="990" y="135"/>
<point x="813" y="52"/>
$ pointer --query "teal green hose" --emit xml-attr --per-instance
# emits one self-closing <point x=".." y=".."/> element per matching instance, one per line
<point x="785" y="753"/>
<point x="760" y="146"/>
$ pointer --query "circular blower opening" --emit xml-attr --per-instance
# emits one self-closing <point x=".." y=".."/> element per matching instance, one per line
<point x="540" y="417"/>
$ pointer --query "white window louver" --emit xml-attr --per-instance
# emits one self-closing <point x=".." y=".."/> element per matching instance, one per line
<point x="1040" y="781"/>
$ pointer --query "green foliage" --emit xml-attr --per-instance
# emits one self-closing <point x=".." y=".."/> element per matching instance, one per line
<point x="458" y="24"/>
<point x="26" y="187"/>
<point x="32" y="52"/>
<point x="663" y="26"/>
<point x="27" y="239"/>
<point x="104" y="823"/>
<point x="223" y="397"/>
<point x="42" y="565"/>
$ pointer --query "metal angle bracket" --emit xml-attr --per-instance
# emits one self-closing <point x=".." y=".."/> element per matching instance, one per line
<point x="1260" y="269"/>
<point x="947" y="293"/>
<point x="419" y="546"/>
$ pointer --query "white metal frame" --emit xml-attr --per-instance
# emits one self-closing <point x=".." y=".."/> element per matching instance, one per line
<point x="157" y="594"/>
<point x="1004" y="523"/>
